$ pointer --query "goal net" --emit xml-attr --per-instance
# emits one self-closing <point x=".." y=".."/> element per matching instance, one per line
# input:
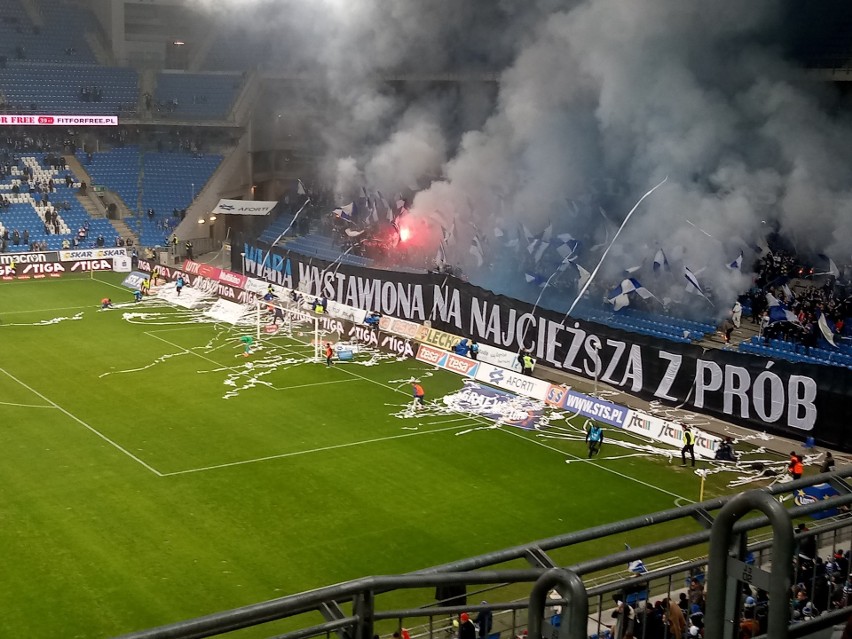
<point x="275" y="318"/>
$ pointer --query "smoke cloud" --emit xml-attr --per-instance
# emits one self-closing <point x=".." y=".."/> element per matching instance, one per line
<point x="596" y="101"/>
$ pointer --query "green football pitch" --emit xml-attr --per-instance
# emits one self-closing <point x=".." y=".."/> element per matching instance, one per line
<point x="149" y="476"/>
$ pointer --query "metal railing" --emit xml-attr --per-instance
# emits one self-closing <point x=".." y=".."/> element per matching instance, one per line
<point x="720" y="551"/>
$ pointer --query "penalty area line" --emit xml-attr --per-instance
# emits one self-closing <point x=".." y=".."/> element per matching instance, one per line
<point x="310" y="451"/>
<point x="94" y="430"/>
<point x="25" y="405"/>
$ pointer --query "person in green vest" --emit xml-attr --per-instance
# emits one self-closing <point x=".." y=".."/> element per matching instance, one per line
<point x="528" y="363"/>
<point x="688" y="445"/>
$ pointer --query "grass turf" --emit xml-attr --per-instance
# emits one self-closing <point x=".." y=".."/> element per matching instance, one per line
<point x="133" y="499"/>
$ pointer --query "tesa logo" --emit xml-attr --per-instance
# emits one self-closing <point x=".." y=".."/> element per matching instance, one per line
<point x="460" y="364"/>
<point x="430" y="355"/>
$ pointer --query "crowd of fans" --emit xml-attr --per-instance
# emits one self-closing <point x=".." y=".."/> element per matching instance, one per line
<point x="808" y="302"/>
<point x="821" y="585"/>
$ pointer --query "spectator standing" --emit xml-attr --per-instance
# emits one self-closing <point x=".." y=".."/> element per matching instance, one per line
<point x="688" y="446"/>
<point x="467" y="629"/>
<point x="484" y="622"/>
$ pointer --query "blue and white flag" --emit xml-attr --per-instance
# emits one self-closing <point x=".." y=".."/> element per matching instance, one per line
<point x="637" y="566"/>
<point x="584" y="276"/>
<point x="503" y="237"/>
<point x="661" y="263"/>
<point x="347" y="212"/>
<point x="568" y="247"/>
<point x="826" y="330"/>
<point x="778" y="312"/>
<point x="538" y="244"/>
<point x="619" y="296"/>
<point x="737" y="264"/>
<point x="692" y="282"/>
<point x="536" y="278"/>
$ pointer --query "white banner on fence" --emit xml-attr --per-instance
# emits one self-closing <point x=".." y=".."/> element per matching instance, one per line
<point x="243" y="207"/>
<point x="350" y="313"/>
<point x="92" y="254"/>
<point x="499" y="357"/>
<point x="670" y="433"/>
<point x="512" y="381"/>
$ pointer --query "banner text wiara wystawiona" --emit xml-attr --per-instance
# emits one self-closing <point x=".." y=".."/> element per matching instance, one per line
<point x="735" y="386"/>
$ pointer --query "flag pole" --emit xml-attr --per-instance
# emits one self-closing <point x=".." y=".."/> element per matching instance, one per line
<point x="606" y="251"/>
<point x="278" y="239"/>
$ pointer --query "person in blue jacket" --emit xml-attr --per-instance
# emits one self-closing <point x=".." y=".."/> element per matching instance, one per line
<point x="461" y="347"/>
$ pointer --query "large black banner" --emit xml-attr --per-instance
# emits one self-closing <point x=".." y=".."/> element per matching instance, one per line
<point x="794" y="400"/>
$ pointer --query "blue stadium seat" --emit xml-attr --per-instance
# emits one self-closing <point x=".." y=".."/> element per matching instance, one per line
<point x="53" y="88"/>
<point x="205" y="96"/>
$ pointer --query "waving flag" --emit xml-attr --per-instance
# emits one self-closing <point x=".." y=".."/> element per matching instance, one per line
<point x="538" y="244"/>
<point x="619" y="296"/>
<point x="568" y="248"/>
<point x="584" y="276"/>
<point x="826" y="330"/>
<point x="536" y="278"/>
<point x="347" y="212"/>
<point x="778" y="312"/>
<point x="636" y="566"/>
<point x="660" y="262"/>
<point x="832" y="267"/>
<point x="504" y="238"/>
<point x="692" y="285"/>
<point x="737" y="264"/>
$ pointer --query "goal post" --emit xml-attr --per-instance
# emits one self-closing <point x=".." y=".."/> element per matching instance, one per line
<point x="275" y="317"/>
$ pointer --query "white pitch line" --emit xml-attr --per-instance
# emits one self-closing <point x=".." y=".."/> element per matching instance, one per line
<point x="121" y="288"/>
<point x="25" y="405"/>
<point x="609" y="470"/>
<point x="84" y="424"/>
<point x="310" y="451"/>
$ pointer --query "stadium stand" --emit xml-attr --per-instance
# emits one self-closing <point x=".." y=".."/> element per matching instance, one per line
<point x="59" y="39"/>
<point x="207" y="96"/>
<point x="28" y="212"/>
<point x="674" y="329"/>
<point x="324" y="248"/>
<point x="50" y="88"/>
<point x="160" y="182"/>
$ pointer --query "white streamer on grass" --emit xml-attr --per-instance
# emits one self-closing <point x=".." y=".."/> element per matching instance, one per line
<point x="48" y="322"/>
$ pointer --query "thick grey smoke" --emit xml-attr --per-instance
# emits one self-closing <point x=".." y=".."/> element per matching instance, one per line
<point x="597" y="101"/>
